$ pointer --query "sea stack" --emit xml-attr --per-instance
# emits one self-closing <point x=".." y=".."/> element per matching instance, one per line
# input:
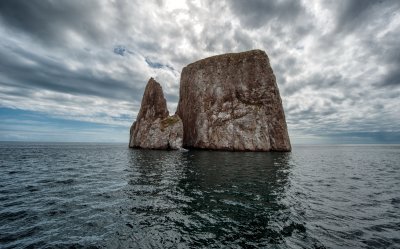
<point x="154" y="128"/>
<point x="232" y="102"/>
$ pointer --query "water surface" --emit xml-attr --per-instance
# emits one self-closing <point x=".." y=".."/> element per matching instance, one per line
<point x="109" y="196"/>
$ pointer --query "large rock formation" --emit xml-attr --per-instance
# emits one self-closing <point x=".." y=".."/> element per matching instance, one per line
<point x="232" y="102"/>
<point x="153" y="128"/>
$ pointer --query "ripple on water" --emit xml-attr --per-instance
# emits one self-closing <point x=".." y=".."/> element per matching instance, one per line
<point x="107" y="196"/>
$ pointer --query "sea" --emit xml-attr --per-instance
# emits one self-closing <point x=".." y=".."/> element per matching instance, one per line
<point x="83" y="195"/>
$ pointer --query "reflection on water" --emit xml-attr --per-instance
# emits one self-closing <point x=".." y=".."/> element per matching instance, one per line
<point x="233" y="196"/>
<point x="202" y="198"/>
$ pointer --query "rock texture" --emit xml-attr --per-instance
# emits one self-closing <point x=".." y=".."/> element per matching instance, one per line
<point x="232" y="102"/>
<point x="153" y="128"/>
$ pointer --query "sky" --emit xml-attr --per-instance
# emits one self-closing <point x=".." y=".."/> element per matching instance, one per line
<point x="75" y="71"/>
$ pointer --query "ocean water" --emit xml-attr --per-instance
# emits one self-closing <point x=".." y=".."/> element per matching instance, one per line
<point x="109" y="196"/>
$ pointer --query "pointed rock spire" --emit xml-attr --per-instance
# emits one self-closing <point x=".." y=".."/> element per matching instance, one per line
<point x="153" y="104"/>
<point x="153" y="128"/>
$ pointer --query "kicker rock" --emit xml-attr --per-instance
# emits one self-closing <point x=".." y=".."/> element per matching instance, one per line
<point x="232" y="102"/>
<point x="153" y="128"/>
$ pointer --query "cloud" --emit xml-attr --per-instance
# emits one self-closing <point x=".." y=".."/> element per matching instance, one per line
<point x="336" y="62"/>
<point x="356" y="14"/>
<point x="258" y="13"/>
<point x="20" y="125"/>
<point x="120" y="50"/>
<point x="52" y="23"/>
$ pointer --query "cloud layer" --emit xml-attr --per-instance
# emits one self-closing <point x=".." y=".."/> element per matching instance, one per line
<point x="337" y="62"/>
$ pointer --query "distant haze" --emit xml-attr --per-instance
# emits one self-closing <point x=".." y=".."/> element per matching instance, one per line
<point x="76" y="70"/>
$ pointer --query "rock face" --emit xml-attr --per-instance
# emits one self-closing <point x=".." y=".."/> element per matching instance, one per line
<point x="232" y="102"/>
<point x="153" y="128"/>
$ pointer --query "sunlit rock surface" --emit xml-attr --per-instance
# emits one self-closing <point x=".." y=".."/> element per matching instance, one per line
<point x="232" y="102"/>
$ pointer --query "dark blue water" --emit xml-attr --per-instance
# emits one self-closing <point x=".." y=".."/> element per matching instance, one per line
<point x="108" y="196"/>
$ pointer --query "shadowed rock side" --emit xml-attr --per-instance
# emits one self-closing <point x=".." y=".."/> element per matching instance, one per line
<point x="153" y="128"/>
<point x="232" y="102"/>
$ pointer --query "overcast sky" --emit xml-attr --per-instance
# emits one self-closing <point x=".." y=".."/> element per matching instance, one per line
<point x="76" y="70"/>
